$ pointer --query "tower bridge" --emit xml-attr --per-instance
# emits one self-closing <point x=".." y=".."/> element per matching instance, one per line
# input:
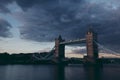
<point x="92" y="47"/>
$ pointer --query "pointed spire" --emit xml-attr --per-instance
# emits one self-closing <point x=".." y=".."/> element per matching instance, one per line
<point x="90" y="30"/>
<point x="60" y="38"/>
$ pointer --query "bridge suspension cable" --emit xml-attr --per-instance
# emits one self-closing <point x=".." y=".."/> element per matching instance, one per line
<point x="107" y="50"/>
<point x="49" y="55"/>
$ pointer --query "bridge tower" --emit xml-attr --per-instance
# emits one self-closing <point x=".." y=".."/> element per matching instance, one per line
<point x="92" y="48"/>
<point x="59" y="48"/>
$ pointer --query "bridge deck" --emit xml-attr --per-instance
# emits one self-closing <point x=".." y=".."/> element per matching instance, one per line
<point x="74" y="41"/>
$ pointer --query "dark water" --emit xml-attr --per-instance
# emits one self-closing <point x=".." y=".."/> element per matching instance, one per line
<point x="50" y="72"/>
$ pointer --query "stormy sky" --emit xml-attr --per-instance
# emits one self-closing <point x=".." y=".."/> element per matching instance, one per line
<point x="30" y="25"/>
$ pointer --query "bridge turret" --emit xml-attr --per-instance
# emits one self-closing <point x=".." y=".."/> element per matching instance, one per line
<point x="59" y="48"/>
<point x="92" y="48"/>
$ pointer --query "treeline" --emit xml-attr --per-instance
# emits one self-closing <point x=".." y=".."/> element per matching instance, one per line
<point x="21" y="58"/>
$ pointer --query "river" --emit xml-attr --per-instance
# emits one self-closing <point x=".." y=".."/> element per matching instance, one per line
<point x="52" y="72"/>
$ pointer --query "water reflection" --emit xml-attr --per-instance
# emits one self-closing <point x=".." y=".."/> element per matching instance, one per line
<point x="53" y="72"/>
<point x="93" y="72"/>
<point x="88" y="73"/>
<point x="60" y="71"/>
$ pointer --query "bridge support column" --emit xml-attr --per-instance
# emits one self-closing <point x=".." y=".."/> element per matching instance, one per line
<point x="92" y="48"/>
<point x="59" y="48"/>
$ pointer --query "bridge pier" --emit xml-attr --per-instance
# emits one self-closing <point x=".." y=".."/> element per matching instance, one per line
<point x="92" y="48"/>
<point x="59" y="48"/>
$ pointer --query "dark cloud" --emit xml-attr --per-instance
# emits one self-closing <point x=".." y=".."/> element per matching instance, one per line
<point x="3" y="7"/>
<point x="69" y="18"/>
<point x="4" y="28"/>
<point x="48" y="20"/>
<point x="43" y="20"/>
<point x="29" y="3"/>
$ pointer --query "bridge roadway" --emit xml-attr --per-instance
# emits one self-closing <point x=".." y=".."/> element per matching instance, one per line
<point x="74" y="41"/>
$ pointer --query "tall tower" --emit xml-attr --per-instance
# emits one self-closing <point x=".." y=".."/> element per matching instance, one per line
<point x="59" y="48"/>
<point x="92" y="48"/>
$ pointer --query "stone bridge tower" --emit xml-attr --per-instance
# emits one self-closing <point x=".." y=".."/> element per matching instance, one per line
<point x="59" y="48"/>
<point x="92" y="48"/>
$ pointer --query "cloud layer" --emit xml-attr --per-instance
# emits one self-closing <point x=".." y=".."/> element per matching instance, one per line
<point x="43" y="20"/>
<point x="4" y="28"/>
